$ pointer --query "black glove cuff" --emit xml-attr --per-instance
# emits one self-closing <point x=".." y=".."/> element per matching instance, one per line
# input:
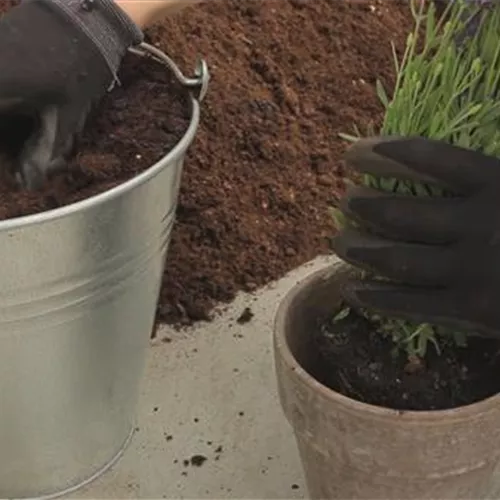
<point x="105" y="23"/>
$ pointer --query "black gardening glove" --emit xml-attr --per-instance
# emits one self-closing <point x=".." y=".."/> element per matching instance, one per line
<point x="440" y="255"/>
<point x="57" y="58"/>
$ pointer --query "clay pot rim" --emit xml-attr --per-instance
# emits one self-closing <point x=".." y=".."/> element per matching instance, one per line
<point x="429" y="417"/>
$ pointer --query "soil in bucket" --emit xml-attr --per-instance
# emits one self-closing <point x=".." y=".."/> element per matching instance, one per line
<point x="134" y="126"/>
<point x="355" y="359"/>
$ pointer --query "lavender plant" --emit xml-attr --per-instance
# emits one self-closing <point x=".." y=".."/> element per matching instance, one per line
<point x="446" y="89"/>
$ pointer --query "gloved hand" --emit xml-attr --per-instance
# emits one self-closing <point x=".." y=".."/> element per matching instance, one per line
<point x="441" y="256"/>
<point x="58" y="58"/>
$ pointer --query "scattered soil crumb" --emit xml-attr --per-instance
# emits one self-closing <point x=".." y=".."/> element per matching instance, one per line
<point x="218" y="449"/>
<point x="245" y="317"/>
<point x="198" y="460"/>
<point x="295" y="486"/>
<point x="241" y="413"/>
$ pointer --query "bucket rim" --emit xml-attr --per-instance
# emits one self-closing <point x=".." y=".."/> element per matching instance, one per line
<point x="115" y="192"/>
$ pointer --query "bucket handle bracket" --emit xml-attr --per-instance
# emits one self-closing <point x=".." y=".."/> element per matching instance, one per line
<point x="197" y="85"/>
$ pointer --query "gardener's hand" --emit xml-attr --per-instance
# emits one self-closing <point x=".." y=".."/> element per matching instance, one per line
<point x="147" y="12"/>
<point x="441" y="255"/>
<point x="58" y="58"/>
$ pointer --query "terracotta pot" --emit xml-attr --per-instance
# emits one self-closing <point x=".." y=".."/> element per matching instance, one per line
<point x="351" y="449"/>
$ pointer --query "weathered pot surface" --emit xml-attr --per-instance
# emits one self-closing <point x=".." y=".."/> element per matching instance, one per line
<point x="79" y="291"/>
<point x="350" y="449"/>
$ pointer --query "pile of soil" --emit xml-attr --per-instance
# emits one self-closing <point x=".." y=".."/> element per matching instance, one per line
<point x="355" y="359"/>
<point x="288" y="76"/>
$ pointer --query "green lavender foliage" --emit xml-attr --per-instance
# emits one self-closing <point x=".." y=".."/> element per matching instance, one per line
<point x="447" y="91"/>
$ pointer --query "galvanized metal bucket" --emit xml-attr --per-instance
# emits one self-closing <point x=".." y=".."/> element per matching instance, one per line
<point x="79" y="288"/>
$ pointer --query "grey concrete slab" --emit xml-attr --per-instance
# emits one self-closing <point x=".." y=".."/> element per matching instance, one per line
<point x="209" y="395"/>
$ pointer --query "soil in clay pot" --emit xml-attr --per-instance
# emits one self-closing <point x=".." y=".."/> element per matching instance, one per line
<point x="356" y="360"/>
<point x="133" y="127"/>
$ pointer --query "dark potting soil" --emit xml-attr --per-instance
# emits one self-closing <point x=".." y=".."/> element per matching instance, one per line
<point x="131" y="129"/>
<point x="287" y="77"/>
<point x="353" y="358"/>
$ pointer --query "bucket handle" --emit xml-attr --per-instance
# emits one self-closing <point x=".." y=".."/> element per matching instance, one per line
<point x="197" y="84"/>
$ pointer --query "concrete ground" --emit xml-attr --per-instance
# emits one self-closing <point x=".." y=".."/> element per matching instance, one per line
<point x="209" y="392"/>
